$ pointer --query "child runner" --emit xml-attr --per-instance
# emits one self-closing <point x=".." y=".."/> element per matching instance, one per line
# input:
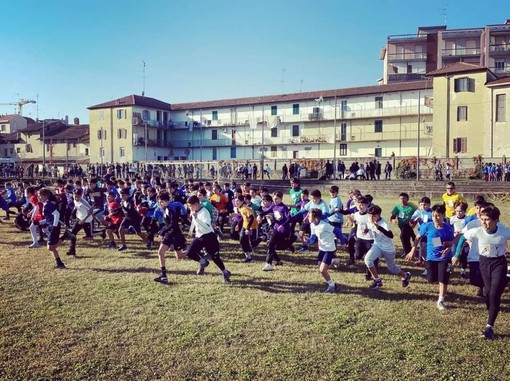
<point x="421" y="216"/>
<point x="402" y="212"/>
<point x="131" y="218"/>
<point x="439" y="239"/>
<point x="204" y="238"/>
<point x="113" y="219"/>
<point x="51" y="219"/>
<point x="249" y="228"/>
<point x="382" y="247"/>
<point x="450" y="197"/>
<point x="458" y="221"/>
<point x="170" y="234"/>
<point x="492" y="243"/>
<point x="325" y="233"/>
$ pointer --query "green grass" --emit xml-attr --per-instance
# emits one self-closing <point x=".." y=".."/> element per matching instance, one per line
<point x="105" y="319"/>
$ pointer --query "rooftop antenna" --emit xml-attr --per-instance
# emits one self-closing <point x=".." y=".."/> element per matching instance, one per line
<point x="283" y="81"/>
<point x="37" y="96"/>
<point x="301" y="86"/>
<point x="143" y="90"/>
<point x="445" y="12"/>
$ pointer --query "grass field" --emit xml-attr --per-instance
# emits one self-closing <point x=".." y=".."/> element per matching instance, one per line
<point x="104" y="318"/>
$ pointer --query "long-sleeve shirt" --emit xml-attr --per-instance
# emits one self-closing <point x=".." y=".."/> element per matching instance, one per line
<point x="201" y="222"/>
<point x="281" y="214"/>
<point x="325" y="233"/>
<point x="51" y="214"/>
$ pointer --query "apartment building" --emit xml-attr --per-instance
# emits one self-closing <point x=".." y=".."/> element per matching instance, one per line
<point x="470" y="106"/>
<point x="11" y="123"/>
<point x="409" y="57"/>
<point x="371" y="121"/>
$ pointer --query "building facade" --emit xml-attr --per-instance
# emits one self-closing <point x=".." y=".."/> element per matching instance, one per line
<point x="410" y="57"/>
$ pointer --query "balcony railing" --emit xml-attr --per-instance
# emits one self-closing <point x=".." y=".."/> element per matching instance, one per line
<point x="316" y="116"/>
<point x="461" y="52"/>
<point x="499" y="48"/>
<point x="406" y="56"/>
<point x="403" y="77"/>
<point x="151" y="123"/>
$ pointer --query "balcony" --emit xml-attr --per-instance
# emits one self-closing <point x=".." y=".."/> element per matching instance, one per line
<point x="499" y="49"/>
<point x="316" y="116"/>
<point x="151" y="123"/>
<point x="406" y="77"/>
<point x="460" y="52"/>
<point x="404" y="37"/>
<point x="407" y="56"/>
<point x="370" y="136"/>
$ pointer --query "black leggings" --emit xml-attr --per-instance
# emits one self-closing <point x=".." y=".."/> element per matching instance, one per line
<point x="210" y="242"/>
<point x="494" y="282"/>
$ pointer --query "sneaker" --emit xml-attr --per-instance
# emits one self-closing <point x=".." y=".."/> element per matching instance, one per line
<point x="267" y="267"/>
<point x="330" y="288"/>
<point x="161" y="279"/>
<point x="226" y="276"/>
<point x="112" y="245"/>
<point x="302" y="249"/>
<point x="34" y="245"/>
<point x="349" y="262"/>
<point x="488" y="333"/>
<point x="405" y="281"/>
<point x="424" y="273"/>
<point x="59" y="266"/>
<point x="463" y="274"/>
<point x="71" y="252"/>
<point x="201" y="267"/>
<point x="248" y="259"/>
<point x="375" y="284"/>
<point x="441" y="305"/>
<point x="122" y="248"/>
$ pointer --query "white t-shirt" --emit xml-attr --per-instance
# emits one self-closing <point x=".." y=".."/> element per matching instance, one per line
<point x="362" y="230"/>
<point x="490" y="245"/>
<point x="380" y="240"/>
<point x="82" y="208"/>
<point x="325" y="235"/>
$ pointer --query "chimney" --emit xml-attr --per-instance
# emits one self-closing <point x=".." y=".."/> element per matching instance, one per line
<point x="76" y="121"/>
<point x="67" y="119"/>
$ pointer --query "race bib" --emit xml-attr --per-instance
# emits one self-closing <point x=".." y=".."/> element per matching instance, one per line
<point x="277" y="215"/>
<point x="425" y="218"/>
<point x="436" y="242"/>
<point x="488" y="250"/>
<point x="450" y="203"/>
<point x="401" y="215"/>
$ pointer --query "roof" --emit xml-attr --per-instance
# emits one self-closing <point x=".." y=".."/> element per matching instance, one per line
<point x="500" y="81"/>
<point x="75" y="131"/>
<point x="339" y="93"/>
<point x="133" y="100"/>
<point x="11" y="137"/>
<point x="457" y="68"/>
<point x="7" y="118"/>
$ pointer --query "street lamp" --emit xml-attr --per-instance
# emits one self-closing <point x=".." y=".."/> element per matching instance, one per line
<point x="43" y="146"/>
<point x="145" y="141"/>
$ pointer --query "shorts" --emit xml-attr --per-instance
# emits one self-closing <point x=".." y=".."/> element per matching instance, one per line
<point x="113" y="227"/>
<point x="176" y="239"/>
<point x="326" y="257"/>
<point x="99" y="215"/>
<point x="53" y="235"/>
<point x="127" y="222"/>
<point x="438" y="271"/>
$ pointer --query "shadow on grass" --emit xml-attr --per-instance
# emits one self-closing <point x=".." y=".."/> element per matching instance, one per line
<point x="143" y="270"/>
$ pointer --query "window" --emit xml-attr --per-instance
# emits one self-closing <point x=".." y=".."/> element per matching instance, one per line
<point x="462" y="113"/>
<point x="378" y="152"/>
<point x="122" y="151"/>
<point x="233" y="152"/>
<point x="295" y="130"/>
<point x="214" y="134"/>
<point x="86" y="151"/>
<point x="122" y="133"/>
<point x="12" y="150"/>
<point x="146" y="115"/>
<point x="343" y="149"/>
<point x="273" y="151"/>
<point x="28" y="148"/>
<point x="101" y="152"/>
<point x="101" y="134"/>
<point x="274" y="132"/>
<point x="500" y="108"/>
<point x="464" y="84"/>
<point x="214" y="154"/>
<point x="459" y="145"/>
<point x="215" y="115"/>
<point x="3" y="128"/>
<point x="295" y="109"/>
<point x="378" y="102"/>
<point x="378" y="126"/>
<point x="343" y="132"/>
<point x="18" y="150"/>
<point x="121" y="114"/>
<point x="499" y="65"/>
<point x="343" y="105"/>
<point x="101" y="114"/>
<point x="274" y="110"/>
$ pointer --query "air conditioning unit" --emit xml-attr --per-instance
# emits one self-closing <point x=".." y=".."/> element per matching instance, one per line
<point x="353" y="137"/>
<point x="428" y="129"/>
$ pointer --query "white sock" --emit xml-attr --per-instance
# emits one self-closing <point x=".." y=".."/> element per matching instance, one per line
<point x="331" y="282"/>
<point x="441" y="299"/>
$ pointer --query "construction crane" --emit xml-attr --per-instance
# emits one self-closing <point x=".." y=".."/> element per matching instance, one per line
<point x="19" y="103"/>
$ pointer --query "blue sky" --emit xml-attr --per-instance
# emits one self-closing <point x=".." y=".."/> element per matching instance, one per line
<point x="75" y="54"/>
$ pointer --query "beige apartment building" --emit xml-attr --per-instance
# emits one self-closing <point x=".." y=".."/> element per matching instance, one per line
<point x="362" y="122"/>
<point x="11" y="123"/>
